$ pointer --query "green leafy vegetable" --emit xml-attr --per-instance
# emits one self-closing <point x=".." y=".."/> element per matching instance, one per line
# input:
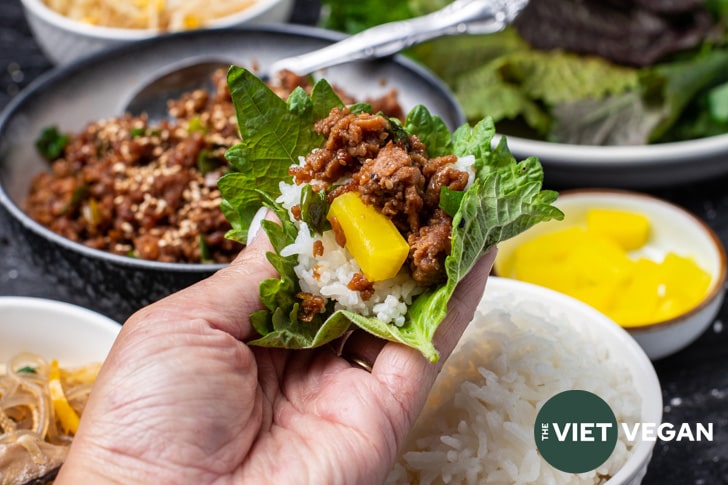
<point x="51" y="142"/>
<point x="208" y="161"/>
<point x="274" y="133"/>
<point x="77" y="196"/>
<point x="568" y="98"/>
<point x="501" y="76"/>
<point x="504" y="200"/>
<point x="718" y="103"/>
<point x="314" y="208"/>
<point x="196" y="125"/>
<point x="136" y="132"/>
<point x="205" y="254"/>
<point x="357" y="16"/>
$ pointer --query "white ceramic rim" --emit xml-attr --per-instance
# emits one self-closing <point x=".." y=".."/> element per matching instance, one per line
<point x="641" y="453"/>
<point x="54" y="329"/>
<point x="54" y="18"/>
<point x="718" y="284"/>
<point x="94" y="318"/>
<point x="593" y="156"/>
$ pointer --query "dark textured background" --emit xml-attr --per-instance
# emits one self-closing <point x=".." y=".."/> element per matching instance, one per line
<point x="694" y="381"/>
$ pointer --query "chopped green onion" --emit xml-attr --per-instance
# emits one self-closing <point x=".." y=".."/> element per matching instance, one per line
<point x="205" y="253"/>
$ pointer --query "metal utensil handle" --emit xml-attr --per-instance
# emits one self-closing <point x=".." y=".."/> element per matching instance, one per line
<point x="459" y="17"/>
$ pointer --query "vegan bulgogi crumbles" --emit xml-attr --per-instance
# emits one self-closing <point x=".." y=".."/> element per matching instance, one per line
<point x="149" y="191"/>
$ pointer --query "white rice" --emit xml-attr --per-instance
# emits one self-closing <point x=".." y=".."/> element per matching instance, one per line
<point x="328" y="275"/>
<point x="477" y="426"/>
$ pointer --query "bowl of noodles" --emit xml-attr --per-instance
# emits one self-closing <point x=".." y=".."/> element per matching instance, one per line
<point x="69" y="29"/>
<point x="50" y="353"/>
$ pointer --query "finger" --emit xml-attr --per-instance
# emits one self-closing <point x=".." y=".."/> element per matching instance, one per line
<point x="462" y="305"/>
<point x="362" y="348"/>
<point x="405" y="371"/>
<point x="224" y="300"/>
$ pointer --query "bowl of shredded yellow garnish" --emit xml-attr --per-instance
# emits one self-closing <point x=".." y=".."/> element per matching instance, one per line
<point x="69" y="29"/>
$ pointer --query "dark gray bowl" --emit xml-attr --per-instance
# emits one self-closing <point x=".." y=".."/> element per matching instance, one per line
<point x="99" y="86"/>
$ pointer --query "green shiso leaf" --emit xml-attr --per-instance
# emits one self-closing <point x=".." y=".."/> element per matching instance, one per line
<point x="504" y="200"/>
<point x="274" y="133"/>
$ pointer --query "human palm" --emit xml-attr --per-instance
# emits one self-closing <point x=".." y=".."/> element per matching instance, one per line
<point x="181" y="398"/>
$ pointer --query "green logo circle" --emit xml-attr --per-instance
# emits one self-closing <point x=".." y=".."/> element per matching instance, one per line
<point x="575" y="431"/>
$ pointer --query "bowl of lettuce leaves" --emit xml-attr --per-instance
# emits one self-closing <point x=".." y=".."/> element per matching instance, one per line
<point x="627" y="94"/>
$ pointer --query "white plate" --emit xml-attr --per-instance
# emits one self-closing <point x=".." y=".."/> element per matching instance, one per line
<point x="645" y="166"/>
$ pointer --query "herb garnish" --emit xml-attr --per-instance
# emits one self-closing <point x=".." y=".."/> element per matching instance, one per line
<point x="51" y="142"/>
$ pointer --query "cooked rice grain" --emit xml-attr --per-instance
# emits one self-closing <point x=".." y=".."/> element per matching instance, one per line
<point x="328" y="275"/>
<point x="477" y="426"/>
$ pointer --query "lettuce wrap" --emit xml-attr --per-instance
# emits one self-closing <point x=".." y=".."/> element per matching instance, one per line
<point x="504" y="199"/>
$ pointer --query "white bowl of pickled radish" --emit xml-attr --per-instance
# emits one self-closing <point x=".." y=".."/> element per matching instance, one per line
<point x="651" y="266"/>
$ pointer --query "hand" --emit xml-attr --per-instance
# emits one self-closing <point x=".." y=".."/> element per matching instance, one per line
<point x="182" y="399"/>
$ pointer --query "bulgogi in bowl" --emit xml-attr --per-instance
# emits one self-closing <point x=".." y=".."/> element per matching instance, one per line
<point x="149" y="190"/>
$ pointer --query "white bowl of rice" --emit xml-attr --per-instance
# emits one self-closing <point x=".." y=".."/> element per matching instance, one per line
<point x="69" y="29"/>
<point x="525" y="345"/>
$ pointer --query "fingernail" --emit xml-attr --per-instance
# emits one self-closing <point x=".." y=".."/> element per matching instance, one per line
<point x="255" y="225"/>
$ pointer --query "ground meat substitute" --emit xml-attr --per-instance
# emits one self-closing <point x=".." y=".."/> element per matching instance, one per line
<point x="150" y="191"/>
<point x="395" y="176"/>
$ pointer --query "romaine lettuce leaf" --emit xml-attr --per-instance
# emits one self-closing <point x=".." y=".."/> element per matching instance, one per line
<point x="505" y="199"/>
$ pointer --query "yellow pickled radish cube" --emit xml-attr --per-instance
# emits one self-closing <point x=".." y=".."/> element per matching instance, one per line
<point x="628" y="229"/>
<point x="599" y="296"/>
<point x="598" y="268"/>
<point x="685" y="285"/>
<point x="572" y="253"/>
<point x="547" y="248"/>
<point x="637" y="301"/>
<point x="600" y="261"/>
<point x="670" y="308"/>
<point x="548" y="273"/>
<point x="552" y="246"/>
<point x="682" y="274"/>
<point x="575" y="262"/>
<point x="371" y="237"/>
